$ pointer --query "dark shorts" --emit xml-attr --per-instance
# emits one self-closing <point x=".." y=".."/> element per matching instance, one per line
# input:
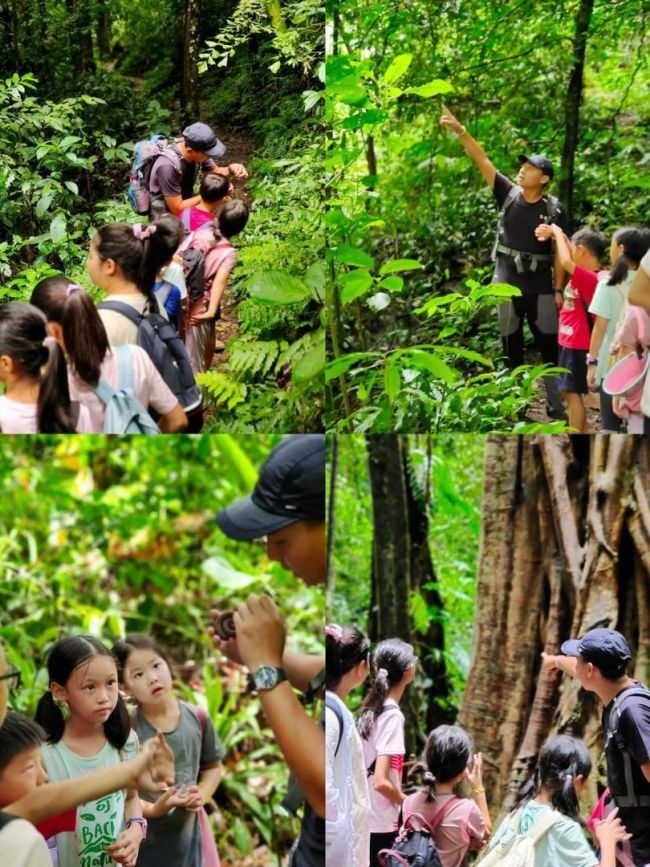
<point x="576" y="361"/>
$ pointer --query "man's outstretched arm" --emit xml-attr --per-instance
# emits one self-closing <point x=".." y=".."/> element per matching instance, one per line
<point x="472" y="148"/>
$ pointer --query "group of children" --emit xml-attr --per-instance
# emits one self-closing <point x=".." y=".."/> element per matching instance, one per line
<point x="597" y="325"/>
<point x="368" y="812"/>
<point x="83" y="728"/>
<point x="55" y="350"/>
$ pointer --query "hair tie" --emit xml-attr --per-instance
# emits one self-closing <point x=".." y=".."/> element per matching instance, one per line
<point x="141" y="232"/>
<point x="334" y="632"/>
<point x="382" y="672"/>
<point x="49" y="341"/>
<point x="72" y="287"/>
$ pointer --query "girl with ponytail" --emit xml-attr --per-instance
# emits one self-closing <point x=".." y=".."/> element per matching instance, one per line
<point x="34" y="372"/>
<point x="552" y="796"/>
<point x="124" y="260"/>
<point x="88" y="727"/>
<point x="457" y="825"/>
<point x="75" y="324"/>
<point x="381" y="726"/>
<point x="346" y="785"/>
<point x="629" y="245"/>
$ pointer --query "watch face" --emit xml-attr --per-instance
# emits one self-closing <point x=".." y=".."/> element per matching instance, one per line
<point x="266" y="677"/>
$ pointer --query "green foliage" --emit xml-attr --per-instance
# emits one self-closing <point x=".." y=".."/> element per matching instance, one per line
<point x="107" y="536"/>
<point x="400" y="187"/>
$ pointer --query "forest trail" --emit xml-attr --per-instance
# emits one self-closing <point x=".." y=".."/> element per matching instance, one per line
<point x="536" y="412"/>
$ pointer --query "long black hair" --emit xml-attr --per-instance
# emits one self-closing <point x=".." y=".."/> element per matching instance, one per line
<point x="636" y="243"/>
<point x="67" y="655"/>
<point x="84" y="335"/>
<point x="446" y="754"/>
<point x="140" y="260"/>
<point x="23" y="337"/>
<point x="561" y="760"/>
<point x="343" y="651"/>
<point x="390" y="661"/>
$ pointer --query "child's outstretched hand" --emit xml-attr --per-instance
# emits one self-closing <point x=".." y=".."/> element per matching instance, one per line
<point x="153" y="769"/>
<point x="195" y="799"/>
<point x="238" y="171"/>
<point x="611" y="831"/>
<point x="474" y="774"/>
<point x="168" y="801"/>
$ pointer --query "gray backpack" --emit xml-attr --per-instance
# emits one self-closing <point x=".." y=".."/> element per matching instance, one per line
<point x="552" y="207"/>
<point x="124" y="412"/>
<point x="631" y="798"/>
<point x="160" y="340"/>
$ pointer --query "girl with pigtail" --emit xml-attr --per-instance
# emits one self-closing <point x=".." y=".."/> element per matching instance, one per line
<point x="88" y="727"/>
<point x="34" y="372"/>
<point x="547" y="810"/>
<point x="381" y="726"/>
<point x="457" y="825"/>
<point x="346" y="785"/>
<point x="75" y="324"/>
<point x="124" y="260"/>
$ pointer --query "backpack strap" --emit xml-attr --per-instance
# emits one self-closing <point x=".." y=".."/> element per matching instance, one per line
<point x="542" y="825"/>
<point x="330" y="704"/>
<point x="552" y="207"/>
<point x="5" y="818"/>
<point x="511" y="195"/>
<point x="442" y="812"/>
<point x="630" y="798"/>
<point x="124" y="366"/>
<point x="125" y="309"/>
<point x="186" y="218"/>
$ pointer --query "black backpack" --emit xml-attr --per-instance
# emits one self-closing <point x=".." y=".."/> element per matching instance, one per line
<point x="5" y="818"/>
<point x="414" y="844"/>
<point x="631" y="797"/>
<point x="160" y="340"/>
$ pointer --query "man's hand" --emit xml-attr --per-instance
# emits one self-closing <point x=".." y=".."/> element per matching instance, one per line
<point x="229" y="648"/>
<point x="544" y="232"/>
<point x="549" y="663"/>
<point x="153" y="768"/>
<point x="260" y="632"/>
<point x="238" y="171"/>
<point x="448" y="121"/>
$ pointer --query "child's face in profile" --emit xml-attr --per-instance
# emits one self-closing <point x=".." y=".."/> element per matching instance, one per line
<point x="22" y="775"/>
<point x="300" y="548"/>
<point x="147" y="677"/>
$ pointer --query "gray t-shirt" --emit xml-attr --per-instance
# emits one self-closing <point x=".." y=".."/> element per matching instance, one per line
<point x="175" y="839"/>
<point x="519" y="224"/>
<point x="167" y="179"/>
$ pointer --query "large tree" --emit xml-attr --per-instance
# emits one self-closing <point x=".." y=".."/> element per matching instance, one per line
<point x="403" y="576"/>
<point x="565" y="548"/>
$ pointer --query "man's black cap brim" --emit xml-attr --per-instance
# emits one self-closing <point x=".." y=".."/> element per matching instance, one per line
<point x="571" y="647"/>
<point x="246" y="521"/>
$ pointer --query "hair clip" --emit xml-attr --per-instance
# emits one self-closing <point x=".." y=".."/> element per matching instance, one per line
<point x="49" y="341"/>
<point x="143" y="232"/>
<point x="72" y="287"/>
<point x="334" y="632"/>
<point x="382" y="672"/>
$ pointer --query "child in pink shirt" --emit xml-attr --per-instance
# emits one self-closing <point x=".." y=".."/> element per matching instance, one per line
<point x="457" y="824"/>
<point x="580" y="257"/>
<point x="213" y="191"/>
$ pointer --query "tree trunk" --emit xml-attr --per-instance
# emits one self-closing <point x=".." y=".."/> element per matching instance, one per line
<point x="103" y="30"/>
<point x="402" y="572"/>
<point x="190" y="108"/>
<point x="572" y="106"/>
<point x="330" y="574"/>
<point x="565" y="548"/>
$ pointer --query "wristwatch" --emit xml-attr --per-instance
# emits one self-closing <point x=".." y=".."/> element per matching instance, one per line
<point x="591" y="361"/>
<point x="266" y="677"/>
<point x="138" y="820"/>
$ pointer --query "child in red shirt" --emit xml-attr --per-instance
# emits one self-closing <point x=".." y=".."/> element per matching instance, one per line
<point x="581" y="258"/>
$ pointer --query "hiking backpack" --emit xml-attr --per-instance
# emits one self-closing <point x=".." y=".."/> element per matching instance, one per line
<point x="5" y="818"/>
<point x="159" y="339"/>
<point x="145" y="153"/>
<point x="631" y="797"/>
<point x="414" y="845"/>
<point x="520" y="850"/>
<point x="124" y="412"/>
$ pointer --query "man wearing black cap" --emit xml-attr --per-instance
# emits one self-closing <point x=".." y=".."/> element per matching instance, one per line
<point x="287" y="506"/>
<point x="599" y="660"/>
<point x="521" y="259"/>
<point x="173" y="174"/>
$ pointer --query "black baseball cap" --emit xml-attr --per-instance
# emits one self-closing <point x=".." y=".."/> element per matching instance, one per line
<point x="605" y="648"/>
<point x="290" y="488"/>
<point x="539" y="161"/>
<point x="200" y="137"/>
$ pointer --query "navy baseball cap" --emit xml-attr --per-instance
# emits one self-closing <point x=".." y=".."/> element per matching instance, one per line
<point x="200" y="137"/>
<point x="605" y="648"/>
<point x="290" y="488"/>
<point x="539" y="161"/>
